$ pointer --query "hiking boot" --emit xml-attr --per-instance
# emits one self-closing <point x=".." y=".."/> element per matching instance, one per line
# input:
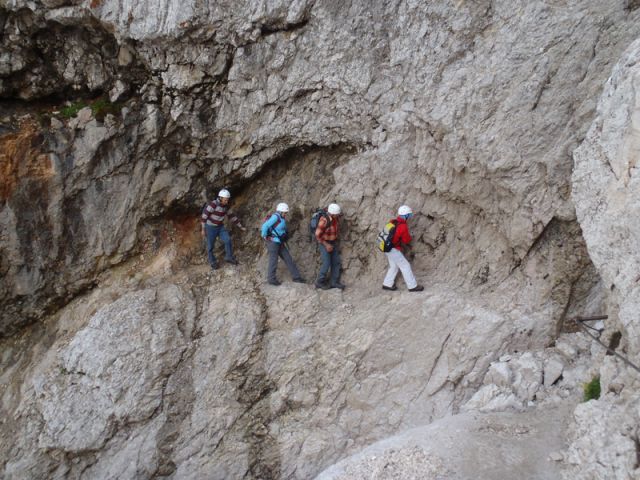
<point x="231" y="261"/>
<point x="322" y="285"/>
<point x="274" y="282"/>
<point x="417" y="288"/>
<point x="337" y="285"/>
<point x="215" y="267"/>
<point x="299" y="280"/>
<point x="384" y="287"/>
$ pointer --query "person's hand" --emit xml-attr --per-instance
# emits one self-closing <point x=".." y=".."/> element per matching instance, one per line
<point x="203" y="233"/>
<point x="329" y="247"/>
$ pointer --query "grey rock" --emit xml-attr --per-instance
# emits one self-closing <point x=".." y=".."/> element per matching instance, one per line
<point x="567" y="350"/>
<point x="499" y="374"/>
<point x="125" y="56"/>
<point x="553" y="368"/>
<point x="599" y="427"/>
<point x="119" y="89"/>
<point x="513" y="446"/>
<point x="556" y="457"/>
<point x="243" y="83"/>
<point x="491" y="398"/>
<point x="466" y="114"/>
<point x="56" y="124"/>
<point x="605" y="189"/>
<point x="124" y="354"/>
<point x="82" y="118"/>
<point x="527" y="376"/>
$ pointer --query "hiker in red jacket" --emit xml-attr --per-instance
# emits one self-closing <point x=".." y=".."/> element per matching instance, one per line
<point x="327" y="237"/>
<point x="397" y="261"/>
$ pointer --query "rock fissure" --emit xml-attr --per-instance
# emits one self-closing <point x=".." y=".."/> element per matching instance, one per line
<point x="270" y="29"/>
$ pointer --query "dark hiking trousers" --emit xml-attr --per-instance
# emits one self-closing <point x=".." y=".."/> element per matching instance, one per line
<point x="213" y="232"/>
<point x="329" y="261"/>
<point x="279" y="250"/>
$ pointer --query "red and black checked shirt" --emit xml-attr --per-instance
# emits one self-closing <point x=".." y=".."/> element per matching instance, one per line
<point x="327" y="231"/>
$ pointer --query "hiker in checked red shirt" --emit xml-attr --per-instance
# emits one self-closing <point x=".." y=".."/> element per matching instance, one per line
<point x="212" y="221"/>
<point x="397" y="260"/>
<point x="327" y="237"/>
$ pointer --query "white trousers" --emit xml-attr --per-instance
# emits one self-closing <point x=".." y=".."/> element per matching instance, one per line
<point x="398" y="262"/>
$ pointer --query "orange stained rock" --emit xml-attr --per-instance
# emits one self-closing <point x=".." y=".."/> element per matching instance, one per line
<point x="21" y="157"/>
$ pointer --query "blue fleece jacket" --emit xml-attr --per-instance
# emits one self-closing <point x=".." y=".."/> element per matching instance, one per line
<point x="270" y="229"/>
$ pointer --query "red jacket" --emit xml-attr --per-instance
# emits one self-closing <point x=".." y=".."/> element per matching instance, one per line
<point x="402" y="235"/>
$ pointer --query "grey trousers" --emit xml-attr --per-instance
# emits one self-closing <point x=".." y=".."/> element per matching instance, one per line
<point x="278" y="250"/>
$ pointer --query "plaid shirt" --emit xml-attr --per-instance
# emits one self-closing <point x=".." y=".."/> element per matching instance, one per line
<point x="214" y="212"/>
<point x="327" y="231"/>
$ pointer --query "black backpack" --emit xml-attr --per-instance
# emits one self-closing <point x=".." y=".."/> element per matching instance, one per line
<point x="315" y="219"/>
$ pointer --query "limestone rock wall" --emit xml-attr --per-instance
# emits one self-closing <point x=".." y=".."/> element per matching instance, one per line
<point x="606" y="189"/>
<point x="469" y="115"/>
<point x="482" y="104"/>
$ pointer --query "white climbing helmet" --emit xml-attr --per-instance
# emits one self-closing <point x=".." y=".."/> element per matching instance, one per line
<point x="334" y="209"/>
<point x="404" y="210"/>
<point x="224" y="193"/>
<point x="282" y="208"/>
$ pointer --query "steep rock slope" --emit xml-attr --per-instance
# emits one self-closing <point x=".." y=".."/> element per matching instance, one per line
<point x="468" y="114"/>
<point x="179" y="372"/>
<point x="606" y="189"/>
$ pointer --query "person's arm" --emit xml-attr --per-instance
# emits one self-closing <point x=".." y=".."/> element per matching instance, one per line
<point x="203" y="219"/>
<point x="268" y="225"/>
<point x="236" y="221"/>
<point x="322" y="225"/>
<point x="406" y="236"/>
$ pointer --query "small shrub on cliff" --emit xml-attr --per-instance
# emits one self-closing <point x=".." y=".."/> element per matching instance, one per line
<point x="99" y="107"/>
<point x="72" y="110"/>
<point x="592" y="389"/>
<point x="103" y="106"/>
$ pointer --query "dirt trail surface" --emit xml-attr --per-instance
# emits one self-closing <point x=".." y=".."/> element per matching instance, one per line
<point x="469" y="446"/>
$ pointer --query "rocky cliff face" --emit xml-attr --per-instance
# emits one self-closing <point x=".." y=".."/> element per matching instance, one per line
<point x="123" y="357"/>
<point x="606" y="192"/>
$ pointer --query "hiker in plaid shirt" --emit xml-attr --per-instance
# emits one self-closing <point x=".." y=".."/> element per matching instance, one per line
<point x="327" y="237"/>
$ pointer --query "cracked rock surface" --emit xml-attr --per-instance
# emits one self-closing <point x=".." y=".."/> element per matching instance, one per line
<point x="469" y="115"/>
<point x="272" y="383"/>
<point x="123" y="356"/>
<point x="605" y="440"/>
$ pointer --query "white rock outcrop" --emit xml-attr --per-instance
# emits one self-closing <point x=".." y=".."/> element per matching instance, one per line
<point x="606" y="191"/>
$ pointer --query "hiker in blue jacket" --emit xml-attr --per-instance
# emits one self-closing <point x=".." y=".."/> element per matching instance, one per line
<point x="274" y="232"/>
